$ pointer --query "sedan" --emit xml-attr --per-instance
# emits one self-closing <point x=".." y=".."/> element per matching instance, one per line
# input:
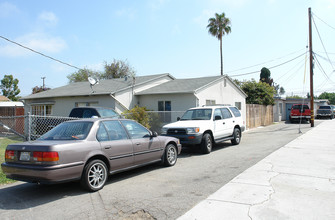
<point x="88" y="150"/>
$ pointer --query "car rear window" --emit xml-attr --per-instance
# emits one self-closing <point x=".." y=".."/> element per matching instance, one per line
<point x="299" y="107"/>
<point x="68" y="131"/>
<point x="324" y="107"/>
<point x="235" y="111"/>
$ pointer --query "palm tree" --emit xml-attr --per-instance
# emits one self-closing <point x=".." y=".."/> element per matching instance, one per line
<point x="217" y="27"/>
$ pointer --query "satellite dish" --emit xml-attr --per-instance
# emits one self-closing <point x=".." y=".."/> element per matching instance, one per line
<point x="92" y="81"/>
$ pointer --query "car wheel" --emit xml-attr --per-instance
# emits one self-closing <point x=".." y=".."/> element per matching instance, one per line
<point x="206" y="144"/>
<point x="94" y="176"/>
<point x="170" y="155"/>
<point x="236" y="137"/>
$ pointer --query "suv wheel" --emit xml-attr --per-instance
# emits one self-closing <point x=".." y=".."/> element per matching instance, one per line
<point x="206" y="144"/>
<point x="236" y="137"/>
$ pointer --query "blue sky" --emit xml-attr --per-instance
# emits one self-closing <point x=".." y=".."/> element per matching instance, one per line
<point x="167" y="36"/>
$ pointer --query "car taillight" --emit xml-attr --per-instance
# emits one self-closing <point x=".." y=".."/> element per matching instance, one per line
<point x="45" y="156"/>
<point x="9" y="154"/>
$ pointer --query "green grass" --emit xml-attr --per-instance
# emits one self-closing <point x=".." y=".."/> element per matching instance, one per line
<point x="4" y="141"/>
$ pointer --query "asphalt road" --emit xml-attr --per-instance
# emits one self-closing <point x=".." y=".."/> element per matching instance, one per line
<point x="151" y="192"/>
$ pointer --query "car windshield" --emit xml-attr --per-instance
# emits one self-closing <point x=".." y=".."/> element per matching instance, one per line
<point x="197" y="114"/>
<point x="324" y="107"/>
<point x="68" y="131"/>
<point x="110" y="113"/>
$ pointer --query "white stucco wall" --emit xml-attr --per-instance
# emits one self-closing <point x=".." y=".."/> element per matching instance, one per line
<point x="127" y="98"/>
<point x="63" y="105"/>
<point x="223" y="93"/>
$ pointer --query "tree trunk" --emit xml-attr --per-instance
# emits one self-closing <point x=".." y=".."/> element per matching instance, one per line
<point x="221" y="56"/>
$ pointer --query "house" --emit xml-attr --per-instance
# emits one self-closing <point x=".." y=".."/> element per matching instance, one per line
<point x="282" y="107"/>
<point x="10" y="108"/>
<point x="160" y="92"/>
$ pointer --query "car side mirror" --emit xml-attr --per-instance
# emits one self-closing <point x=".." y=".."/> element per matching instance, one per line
<point x="217" y="117"/>
<point x="154" y="134"/>
<point x="178" y="118"/>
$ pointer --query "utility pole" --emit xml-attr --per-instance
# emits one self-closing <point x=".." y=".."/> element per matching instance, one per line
<point x="311" y="65"/>
<point x="43" y="78"/>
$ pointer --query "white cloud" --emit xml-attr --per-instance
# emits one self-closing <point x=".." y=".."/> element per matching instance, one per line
<point x="229" y="3"/>
<point x="48" y="18"/>
<point x="202" y="19"/>
<point x="126" y="12"/>
<point x="156" y="4"/>
<point x="36" y="41"/>
<point x="7" y="9"/>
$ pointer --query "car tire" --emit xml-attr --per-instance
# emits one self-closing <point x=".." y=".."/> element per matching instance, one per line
<point x="236" y="137"/>
<point x="206" y="144"/>
<point x="170" y="155"/>
<point x="94" y="176"/>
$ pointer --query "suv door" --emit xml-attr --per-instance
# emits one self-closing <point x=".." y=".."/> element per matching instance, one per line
<point x="146" y="147"/>
<point x="116" y="144"/>
<point x="229" y="122"/>
<point x="219" y="124"/>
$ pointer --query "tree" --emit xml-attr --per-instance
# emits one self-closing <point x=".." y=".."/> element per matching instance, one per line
<point x="117" y="69"/>
<point x="217" y="27"/>
<point x="9" y="87"/>
<point x="38" y="89"/>
<point x="258" y="92"/>
<point x="329" y="96"/>
<point x="82" y="75"/>
<point x="265" y="76"/>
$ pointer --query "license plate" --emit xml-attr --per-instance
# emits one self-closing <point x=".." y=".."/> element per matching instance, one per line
<point x="25" y="156"/>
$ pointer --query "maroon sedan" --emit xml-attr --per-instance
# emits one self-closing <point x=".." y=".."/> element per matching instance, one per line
<point x="88" y="150"/>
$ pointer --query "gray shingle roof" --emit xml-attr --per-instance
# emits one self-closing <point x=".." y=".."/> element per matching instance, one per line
<point x="180" y="85"/>
<point x="83" y="88"/>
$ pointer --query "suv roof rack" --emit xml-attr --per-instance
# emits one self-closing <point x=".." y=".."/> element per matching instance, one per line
<point x="217" y="105"/>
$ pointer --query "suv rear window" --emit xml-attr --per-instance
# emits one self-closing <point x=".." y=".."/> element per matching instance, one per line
<point x="235" y="111"/>
<point x="299" y="107"/>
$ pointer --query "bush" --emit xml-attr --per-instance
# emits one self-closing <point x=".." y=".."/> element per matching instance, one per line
<point x="139" y="114"/>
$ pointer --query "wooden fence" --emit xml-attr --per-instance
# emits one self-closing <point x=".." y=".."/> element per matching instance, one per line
<point x="259" y="115"/>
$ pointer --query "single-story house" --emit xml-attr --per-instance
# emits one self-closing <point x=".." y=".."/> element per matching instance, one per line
<point x="160" y="92"/>
<point x="10" y="108"/>
<point x="282" y="107"/>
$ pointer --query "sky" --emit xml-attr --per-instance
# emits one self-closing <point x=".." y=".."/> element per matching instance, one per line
<point x="168" y="36"/>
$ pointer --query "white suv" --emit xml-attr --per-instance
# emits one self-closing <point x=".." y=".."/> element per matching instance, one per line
<point x="207" y="125"/>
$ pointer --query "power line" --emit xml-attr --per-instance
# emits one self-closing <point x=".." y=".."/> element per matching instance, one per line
<point x="323" y="21"/>
<point x="264" y="62"/>
<point x="59" y="61"/>
<point x="322" y="42"/>
<point x="243" y="74"/>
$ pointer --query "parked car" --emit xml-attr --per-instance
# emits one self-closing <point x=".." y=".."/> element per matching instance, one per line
<point x="325" y="111"/>
<point x="300" y="112"/>
<point x="45" y="124"/>
<point x="88" y="150"/>
<point x="206" y="126"/>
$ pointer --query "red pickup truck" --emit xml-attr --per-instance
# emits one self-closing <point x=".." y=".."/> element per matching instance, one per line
<point x="300" y="112"/>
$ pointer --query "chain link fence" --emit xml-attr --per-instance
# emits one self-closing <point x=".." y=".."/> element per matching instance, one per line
<point x="31" y="127"/>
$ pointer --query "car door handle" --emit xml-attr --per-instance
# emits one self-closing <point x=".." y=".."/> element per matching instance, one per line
<point x="108" y="147"/>
<point x="233" y="121"/>
<point x="138" y="144"/>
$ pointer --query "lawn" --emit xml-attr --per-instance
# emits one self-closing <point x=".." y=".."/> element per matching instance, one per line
<point x="4" y="141"/>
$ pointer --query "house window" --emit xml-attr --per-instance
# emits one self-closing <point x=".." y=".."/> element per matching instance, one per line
<point x="83" y="104"/>
<point x="210" y="102"/>
<point x="43" y="110"/>
<point x="165" y="110"/>
<point x="238" y="105"/>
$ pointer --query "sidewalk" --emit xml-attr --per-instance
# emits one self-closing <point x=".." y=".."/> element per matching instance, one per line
<point x="295" y="182"/>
